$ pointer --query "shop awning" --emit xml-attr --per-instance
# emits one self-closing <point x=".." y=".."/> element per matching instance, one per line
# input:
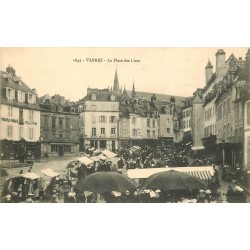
<point x="204" y="172"/>
<point x="85" y="160"/>
<point x="109" y="154"/>
<point x="49" y="172"/>
<point x="31" y="176"/>
<point x="197" y="148"/>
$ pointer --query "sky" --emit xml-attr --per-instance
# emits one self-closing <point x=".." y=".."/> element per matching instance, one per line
<point x="67" y="71"/>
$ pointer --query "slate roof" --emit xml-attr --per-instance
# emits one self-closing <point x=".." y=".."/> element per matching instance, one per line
<point x="15" y="83"/>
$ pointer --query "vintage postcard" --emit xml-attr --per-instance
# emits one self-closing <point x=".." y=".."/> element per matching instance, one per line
<point x="125" y="125"/>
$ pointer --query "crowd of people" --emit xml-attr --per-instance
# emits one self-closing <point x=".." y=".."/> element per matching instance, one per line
<point x="63" y="188"/>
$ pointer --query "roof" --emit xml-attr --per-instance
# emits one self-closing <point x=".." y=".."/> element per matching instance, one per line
<point x="43" y="98"/>
<point x="197" y="99"/>
<point x="101" y="96"/>
<point x="147" y="96"/>
<point x="14" y="83"/>
<point x="204" y="172"/>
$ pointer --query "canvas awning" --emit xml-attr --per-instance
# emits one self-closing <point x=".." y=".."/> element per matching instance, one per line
<point x="203" y="172"/>
<point x="197" y="148"/>
<point x="85" y="160"/>
<point x="108" y="153"/>
<point x="94" y="158"/>
<point x="49" y="172"/>
<point x="31" y="176"/>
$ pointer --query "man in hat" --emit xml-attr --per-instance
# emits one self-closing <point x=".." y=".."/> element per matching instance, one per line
<point x="120" y="163"/>
<point x="230" y="195"/>
<point x="201" y="196"/>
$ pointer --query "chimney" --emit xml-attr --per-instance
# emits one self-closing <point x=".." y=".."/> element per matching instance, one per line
<point x="34" y="90"/>
<point x="11" y="70"/>
<point x="209" y="71"/>
<point x="220" y="63"/>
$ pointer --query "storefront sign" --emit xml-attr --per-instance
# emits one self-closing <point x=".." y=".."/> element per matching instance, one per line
<point x="9" y="120"/>
<point x="30" y="123"/>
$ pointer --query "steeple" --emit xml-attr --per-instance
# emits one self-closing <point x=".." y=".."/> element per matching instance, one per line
<point x="133" y="89"/>
<point x="116" y="82"/>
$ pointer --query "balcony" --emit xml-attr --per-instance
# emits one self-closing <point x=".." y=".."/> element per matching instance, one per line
<point x="113" y="135"/>
<point x="93" y="136"/>
<point x="102" y="136"/>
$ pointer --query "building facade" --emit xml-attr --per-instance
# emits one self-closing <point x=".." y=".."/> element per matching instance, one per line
<point x="99" y="115"/>
<point x="20" y="118"/>
<point x="59" y="127"/>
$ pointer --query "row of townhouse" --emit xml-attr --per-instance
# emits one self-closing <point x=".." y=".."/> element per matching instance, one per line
<point x="110" y="119"/>
<point x="53" y="126"/>
<point x="216" y="119"/>
<point x="34" y="127"/>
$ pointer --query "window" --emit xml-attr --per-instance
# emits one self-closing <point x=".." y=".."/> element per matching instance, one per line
<point x="148" y="133"/>
<point x="153" y="134"/>
<point x="9" y="93"/>
<point x="184" y="124"/>
<point x="133" y="120"/>
<point x="67" y="148"/>
<point x="167" y="120"/>
<point x="113" y="131"/>
<point x="103" y="131"/>
<point x="93" y="131"/>
<point x="31" y="115"/>
<point x="54" y="148"/>
<point x="53" y="122"/>
<point x="46" y="121"/>
<point x="168" y="130"/>
<point x="60" y="136"/>
<point x="31" y="133"/>
<point x="30" y="97"/>
<point x="102" y="119"/>
<point x="112" y="119"/>
<point x="10" y="111"/>
<point x="148" y="123"/>
<point x="153" y="123"/>
<point x="21" y="121"/>
<point x="9" y="131"/>
<point x="248" y="113"/>
<point x="67" y="123"/>
<point x="187" y="113"/>
<point x="134" y="132"/>
<point x="93" y="97"/>
<point x="67" y="135"/>
<point x="60" y="122"/>
<point x="20" y="132"/>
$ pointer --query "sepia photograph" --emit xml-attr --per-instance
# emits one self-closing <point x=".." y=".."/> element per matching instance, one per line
<point x="125" y="125"/>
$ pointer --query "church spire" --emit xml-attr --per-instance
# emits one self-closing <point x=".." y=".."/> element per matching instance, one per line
<point x="116" y="82"/>
<point x="133" y="89"/>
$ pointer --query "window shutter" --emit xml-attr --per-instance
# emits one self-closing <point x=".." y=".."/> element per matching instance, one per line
<point x="26" y="97"/>
<point x="4" y="92"/>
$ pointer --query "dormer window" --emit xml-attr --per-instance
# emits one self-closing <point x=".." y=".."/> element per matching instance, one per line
<point x="72" y="110"/>
<point x="112" y="98"/>
<point x="30" y="97"/>
<point x="93" y="97"/>
<point x="9" y="93"/>
<point x="9" y="79"/>
<point x="53" y="108"/>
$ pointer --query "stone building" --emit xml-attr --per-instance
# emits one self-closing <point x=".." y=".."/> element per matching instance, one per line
<point x="19" y="118"/>
<point x="59" y="127"/>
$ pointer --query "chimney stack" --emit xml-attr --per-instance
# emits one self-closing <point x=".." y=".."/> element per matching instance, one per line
<point x="220" y="63"/>
<point x="209" y="71"/>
